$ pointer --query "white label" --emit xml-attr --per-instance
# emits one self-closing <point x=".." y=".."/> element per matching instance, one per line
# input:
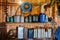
<point x="20" y="32"/>
<point x="35" y="33"/>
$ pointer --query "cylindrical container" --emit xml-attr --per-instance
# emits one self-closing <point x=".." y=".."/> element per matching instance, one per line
<point x="35" y="18"/>
<point x="26" y="19"/>
<point x="49" y="33"/>
<point x="30" y="18"/>
<point x="46" y="34"/>
<point x="46" y="18"/>
<point x="35" y="33"/>
<point x="30" y="33"/>
<point x="20" y="32"/>
<point x="39" y="33"/>
<point x="42" y="18"/>
<point x="43" y="34"/>
<point x="7" y="18"/>
<point x="17" y="19"/>
<point x="11" y="19"/>
<point x="25" y="33"/>
<point x="22" y="18"/>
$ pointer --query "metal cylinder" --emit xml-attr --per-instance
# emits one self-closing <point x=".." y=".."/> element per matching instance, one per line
<point x="22" y="18"/>
<point x="26" y="19"/>
<point x="49" y="33"/>
<point x="11" y="19"/>
<point x="42" y="18"/>
<point x="30" y="33"/>
<point x="20" y="32"/>
<point x="35" y="33"/>
<point x="30" y="18"/>
<point x="7" y="18"/>
<point x="39" y="33"/>
<point x="34" y="18"/>
<point x="17" y="19"/>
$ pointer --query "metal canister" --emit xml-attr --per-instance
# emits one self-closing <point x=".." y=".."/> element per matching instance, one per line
<point x="30" y="33"/>
<point x="43" y="35"/>
<point x="11" y="19"/>
<point x="34" y="18"/>
<point x="42" y="18"/>
<point x="26" y="19"/>
<point x="46" y="34"/>
<point x="30" y="18"/>
<point x="7" y="18"/>
<point x="39" y="33"/>
<point x="25" y="33"/>
<point x="22" y="18"/>
<point x="20" y="32"/>
<point x="35" y="33"/>
<point x="17" y="19"/>
<point x="49" y="33"/>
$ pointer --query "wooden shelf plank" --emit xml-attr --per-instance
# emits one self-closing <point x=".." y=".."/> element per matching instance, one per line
<point x="30" y="24"/>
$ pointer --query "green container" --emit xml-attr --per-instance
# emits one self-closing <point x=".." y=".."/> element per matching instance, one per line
<point x="11" y="19"/>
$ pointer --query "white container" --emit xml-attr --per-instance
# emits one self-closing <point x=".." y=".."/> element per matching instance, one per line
<point x="35" y="33"/>
<point x="20" y="32"/>
<point x="17" y="18"/>
<point x="39" y="33"/>
<point x="22" y="18"/>
<point x="49" y="33"/>
<point x="46" y="34"/>
<point x="43" y="33"/>
<point x="26" y="19"/>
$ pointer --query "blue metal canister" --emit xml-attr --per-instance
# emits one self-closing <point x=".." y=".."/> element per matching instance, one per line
<point x="57" y="33"/>
<point x="30" y="33"/>
<point x="42" y="18"/>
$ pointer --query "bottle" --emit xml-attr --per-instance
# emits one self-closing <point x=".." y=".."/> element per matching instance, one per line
<point x="30" y="18"/>
<point x="17" y="18"/>
<point x="7" y="18"/>
<point x="30" y="33"/>
<point x="11" y="19"/>
<point x="20" y="32"/>
<point x="22" y="19"/>
<point x="26" y="19"/>
<point x="35" y="18"/>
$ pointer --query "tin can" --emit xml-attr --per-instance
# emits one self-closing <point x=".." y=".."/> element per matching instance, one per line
<point x="20" y="32"/>
<point x="22" y="18"/>
<point x="30" y="18"/>
<point x="11" y="19"/>
<point x="35" y="33"/>
<point x="17" y="19"/>
<point x="26" y="19"/>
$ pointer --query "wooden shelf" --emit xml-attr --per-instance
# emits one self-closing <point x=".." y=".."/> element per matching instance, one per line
<point x="29" y="24"/>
